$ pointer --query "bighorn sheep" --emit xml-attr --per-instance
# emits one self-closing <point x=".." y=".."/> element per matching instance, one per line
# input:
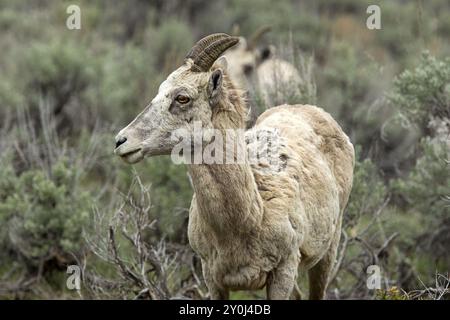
<point x="252" y="225"/>
<point x="261" y="73"/>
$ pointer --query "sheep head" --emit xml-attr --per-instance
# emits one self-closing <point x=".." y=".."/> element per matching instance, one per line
<point x="245" y="57"/>
<point x="188" y="95"/>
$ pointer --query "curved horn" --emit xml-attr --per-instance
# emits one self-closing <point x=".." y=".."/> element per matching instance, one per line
<point x="208" y="49"/>
<point x="256" y="36"/>
<point x="203" y="43"/>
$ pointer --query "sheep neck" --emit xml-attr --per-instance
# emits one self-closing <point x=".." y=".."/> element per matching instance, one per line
<point x="227" y="196"/>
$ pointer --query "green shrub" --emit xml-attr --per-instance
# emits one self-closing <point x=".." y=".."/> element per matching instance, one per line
<point x="349" y="87"/>
<point x="57" y="72"/>
<point x="169" y="44"/>
<point x="423" y="92"/>
<point x="42" y="216"/>
<point x="126" y="83"/>
<point x="426" y="187"/>
<point x="393" y="293"/>
<point x="368" y="191"/>
<point x="171" y="194"/>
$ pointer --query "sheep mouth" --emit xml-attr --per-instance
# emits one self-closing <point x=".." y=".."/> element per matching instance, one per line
<point x="132" y="156"/>
<point x="129" y="153"/>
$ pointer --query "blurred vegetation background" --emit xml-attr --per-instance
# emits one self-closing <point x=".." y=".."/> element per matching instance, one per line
<point x="65" y="93"/>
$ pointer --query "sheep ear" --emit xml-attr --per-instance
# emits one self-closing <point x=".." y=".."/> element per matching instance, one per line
<point x="215" y="86"/>
<point x="222" y="63"/>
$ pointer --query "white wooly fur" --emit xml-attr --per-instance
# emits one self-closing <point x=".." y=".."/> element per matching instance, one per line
<point x="254" y="225"/>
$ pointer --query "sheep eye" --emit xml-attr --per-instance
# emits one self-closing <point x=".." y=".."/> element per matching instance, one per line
<point x="247" y="69"/>
<point x="182" y="99"/>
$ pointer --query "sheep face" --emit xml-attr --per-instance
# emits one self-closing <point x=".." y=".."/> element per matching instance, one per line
<point x="183" y="99"/>
<point x="242" y="63"/>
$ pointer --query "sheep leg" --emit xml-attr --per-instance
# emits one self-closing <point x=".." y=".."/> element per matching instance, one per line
<point x="319" y="274"/>
<point x="280" y="283"/>
<point x="215" y="292"/>
<point x="296" y="293"/>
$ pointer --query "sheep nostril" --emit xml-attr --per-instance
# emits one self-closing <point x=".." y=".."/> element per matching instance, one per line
<point x="120" y="141"/>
